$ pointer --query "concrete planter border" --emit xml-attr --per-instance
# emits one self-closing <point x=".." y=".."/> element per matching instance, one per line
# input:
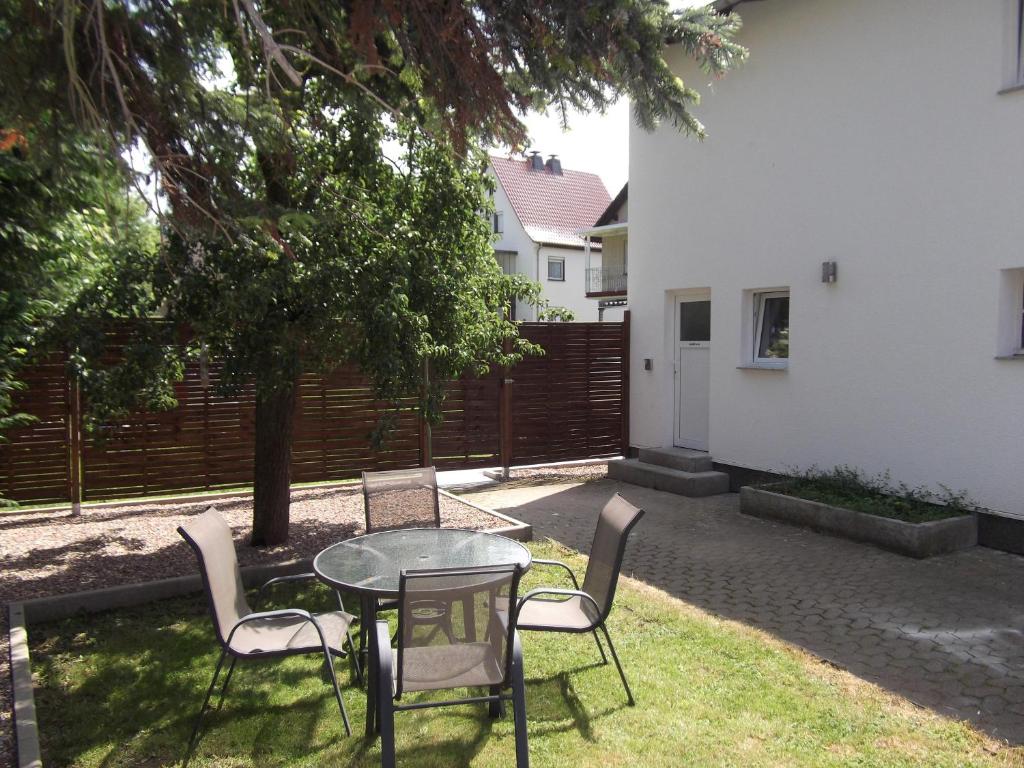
<point x="920" y="540"/>
<point x="42" y="609"/>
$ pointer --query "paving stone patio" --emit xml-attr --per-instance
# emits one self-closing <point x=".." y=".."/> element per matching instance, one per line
<point x="947" y="633"/>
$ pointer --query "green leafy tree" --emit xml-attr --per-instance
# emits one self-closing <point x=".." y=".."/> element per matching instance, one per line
<point x="292" y="243"/>
<point x="62" y="216"/>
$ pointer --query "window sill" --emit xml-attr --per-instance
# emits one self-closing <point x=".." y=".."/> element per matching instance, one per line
<point x="763" y="367"/>
<point x="1011" y="89"/>
<point x="1015" y="356"/>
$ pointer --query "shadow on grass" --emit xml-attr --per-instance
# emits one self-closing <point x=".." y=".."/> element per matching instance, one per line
<point x="124" y="688"/>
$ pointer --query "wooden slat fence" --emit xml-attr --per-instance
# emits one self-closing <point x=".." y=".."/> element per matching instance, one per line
<point x="567" y="404"/>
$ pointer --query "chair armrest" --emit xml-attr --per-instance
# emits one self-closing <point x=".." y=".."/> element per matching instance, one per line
<point x="559" y="564"/>
<point x="278" y="614"/>
<point x="292" y="578"/>
<point x="281" y="613"/>
<point x="534" y="594"/>
<point x="281" y="580"/>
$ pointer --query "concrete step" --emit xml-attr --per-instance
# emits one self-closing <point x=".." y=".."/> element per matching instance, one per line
<point x="667" y="479"/>
<point x="677" y="458"/>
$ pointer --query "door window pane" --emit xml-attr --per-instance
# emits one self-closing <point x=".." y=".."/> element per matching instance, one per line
<point x="773" y="341"/>
<point x="695" y="321"/>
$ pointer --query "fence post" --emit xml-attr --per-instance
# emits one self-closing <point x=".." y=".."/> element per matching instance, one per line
<point x="505" y="416"/>
<point x="625" y="383"/>
<point x="74" y="441"/>
<point x="426" y="449"/>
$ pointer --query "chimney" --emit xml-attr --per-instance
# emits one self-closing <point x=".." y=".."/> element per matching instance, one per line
<point x="536" y="162"/>
<point x="554" y="165"/>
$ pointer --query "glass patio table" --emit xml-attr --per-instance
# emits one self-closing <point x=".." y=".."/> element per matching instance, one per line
<point x="370" y="566"/>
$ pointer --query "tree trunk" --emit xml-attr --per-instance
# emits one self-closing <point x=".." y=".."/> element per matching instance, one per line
<point x="275" y="416"/>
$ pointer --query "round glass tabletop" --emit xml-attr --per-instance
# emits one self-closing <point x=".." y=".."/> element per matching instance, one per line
<point x="372" y="564"/>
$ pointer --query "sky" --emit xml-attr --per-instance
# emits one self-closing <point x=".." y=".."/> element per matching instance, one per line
<point x="594" y="142"/>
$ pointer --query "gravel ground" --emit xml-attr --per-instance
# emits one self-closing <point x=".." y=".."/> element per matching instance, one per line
<point x="573" y="473"/>
<point x="47" y="553"/>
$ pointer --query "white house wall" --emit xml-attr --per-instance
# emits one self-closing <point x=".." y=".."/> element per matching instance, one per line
<point x="514" y="238"/>
<point x="870" y="133"/>
<point x="570" y="293"/>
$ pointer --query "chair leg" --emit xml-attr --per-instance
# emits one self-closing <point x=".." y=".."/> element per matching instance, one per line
<point x="329" y="661"/>
<point x="202" y="709"/>
<point x="227" y="681"/>
<point x="385" y="704"/>
<point x="519" y="704"/>
<point x="604" y="657"/>
<point x="372" y="668"/>
<point x="495" y="708"/>
<point x="355" y="657"/>
<point x="387" y="732"/>
<point x="618" y="665"/>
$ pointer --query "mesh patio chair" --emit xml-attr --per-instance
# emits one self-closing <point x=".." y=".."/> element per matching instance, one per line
<point x="401" y="498"/>
<point x="247" y="634"/>
<point x="405" y="498"/>
<point x="425" y="661"/>
<point x="585" y="610"/>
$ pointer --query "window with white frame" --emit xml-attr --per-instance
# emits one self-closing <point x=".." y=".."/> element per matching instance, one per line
<point x="498" y="221"/>
<point x="1011" y="314"/>
<point x="1013" y="77"/>
<point x="771" y="328"/>
<point x="556" y="268"/>
<point x="1020" y="41"/>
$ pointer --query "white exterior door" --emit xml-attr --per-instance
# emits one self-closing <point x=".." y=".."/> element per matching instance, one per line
<point x="693" y="372"/>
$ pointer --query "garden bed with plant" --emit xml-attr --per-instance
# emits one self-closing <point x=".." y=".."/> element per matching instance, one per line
<point x="845" y="502"/>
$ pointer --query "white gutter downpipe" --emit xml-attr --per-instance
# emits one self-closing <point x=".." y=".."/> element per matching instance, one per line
<point x="536" y="312"/>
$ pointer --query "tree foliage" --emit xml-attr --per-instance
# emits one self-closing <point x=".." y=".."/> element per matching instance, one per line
<point x="291" y="241"/>
<point x="62" y="215"/>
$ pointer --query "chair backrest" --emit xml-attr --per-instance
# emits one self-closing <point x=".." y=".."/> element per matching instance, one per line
<point x="488" y="587"/>
<point x="210" y="538"/>
<point x="401" y="498"/>
<point x="613" y="526"/>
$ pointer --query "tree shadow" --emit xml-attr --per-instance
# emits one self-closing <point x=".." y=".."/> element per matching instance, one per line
<point x="112" y="560"/>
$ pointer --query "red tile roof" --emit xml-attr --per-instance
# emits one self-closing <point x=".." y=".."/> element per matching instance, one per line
<point x="551" y="207"/>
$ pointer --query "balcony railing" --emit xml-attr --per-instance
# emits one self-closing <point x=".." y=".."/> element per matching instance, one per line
<point x="607" y="281"/>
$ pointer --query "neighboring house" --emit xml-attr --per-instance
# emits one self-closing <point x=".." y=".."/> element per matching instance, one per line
<point x="606" y="283"/>
<point x="855" y="140"/>
<point x="539" y="210"/>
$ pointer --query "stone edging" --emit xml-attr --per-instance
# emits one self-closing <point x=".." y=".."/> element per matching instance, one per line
<point x="937" y="537"/>
<point x="26" y="727"/>
<point x="516" y="529"/>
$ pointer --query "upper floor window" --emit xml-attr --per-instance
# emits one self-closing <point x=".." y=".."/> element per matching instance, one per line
<point x="556" y="269"/>
<point x="498" y="220"/>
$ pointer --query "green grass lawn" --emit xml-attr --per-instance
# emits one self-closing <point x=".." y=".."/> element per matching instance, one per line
<point x="123" y="688"/>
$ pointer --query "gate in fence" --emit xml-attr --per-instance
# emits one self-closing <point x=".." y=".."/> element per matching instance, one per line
<point x="570" y="403"/>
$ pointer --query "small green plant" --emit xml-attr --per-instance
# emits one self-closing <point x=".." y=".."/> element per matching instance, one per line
<point x="845" y="486"/>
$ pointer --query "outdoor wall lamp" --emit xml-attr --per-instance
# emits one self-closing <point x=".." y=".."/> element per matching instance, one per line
<point x="828" y="271"/>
